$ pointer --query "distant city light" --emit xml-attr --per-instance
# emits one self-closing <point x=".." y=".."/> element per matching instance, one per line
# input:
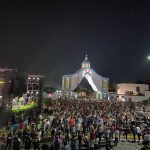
<point x="2" y="82"/>
<point x="49" y="95"/>
<point x="148" y="57"/>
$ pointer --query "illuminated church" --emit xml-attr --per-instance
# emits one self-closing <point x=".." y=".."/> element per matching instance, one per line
<point x="98" y="83"/>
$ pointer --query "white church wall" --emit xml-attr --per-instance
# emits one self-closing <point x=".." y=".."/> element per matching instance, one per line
<point x="123" y="87"/>
<point x="147" y="94"/>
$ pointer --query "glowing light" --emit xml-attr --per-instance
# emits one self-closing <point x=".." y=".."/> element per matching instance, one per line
<point x="148" y="57"/>
<point x="2" y="82"/>
<point x="49" y="95"/>
<point x="88" y="77"/>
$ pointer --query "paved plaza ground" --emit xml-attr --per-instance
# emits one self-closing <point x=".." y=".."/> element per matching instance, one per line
<point x="125" y="146"/>
<point x="122" y="146"/>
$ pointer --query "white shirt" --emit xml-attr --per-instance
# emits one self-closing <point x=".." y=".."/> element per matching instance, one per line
<point x="138" y="130"/>
<point x="117" y="134"/>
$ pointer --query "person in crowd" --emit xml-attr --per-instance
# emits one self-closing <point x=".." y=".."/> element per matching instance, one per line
<point x="45" y="146"/>
<point x="133" y="129"/>
<point x="24" y="134"/>
<point x="2" y="145"/>
<point x="96" y="143"/>
<point x="86" y="141"/>
<point x="92" y="138"/>
<point x="144" y="132"/>
<point x="29" y="120"/>
<point x="16" y="143"/>
<point x="27" y="143"/>
<point x="58" y="140"/>
<point x="36" y="145"/>
<point x="66" y="144"/>
<point x="73" y="143"/>
<point x="52" y="147"/>
<point x="100" y="134"/>
<point x="67" y="138"/>
<point x="9" y="140"/>
<point x="4" y="139"/>
<point x="126" y="131"/>
<point x="80" y="137"/>
<point x="138" y="131"/>
<point x="116" y="136"/>
<point x="107" y="135"/>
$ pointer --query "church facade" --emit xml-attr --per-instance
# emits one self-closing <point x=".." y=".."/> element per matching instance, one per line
<point x="98" y="83"/>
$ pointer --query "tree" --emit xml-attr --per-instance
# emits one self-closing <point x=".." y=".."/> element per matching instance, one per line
<point x="49" y="90"/>
<point x="18" y="86"/>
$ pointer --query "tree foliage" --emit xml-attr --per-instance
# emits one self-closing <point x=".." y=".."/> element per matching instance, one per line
<point x="49" y="90"/>
<point x="18" y="86"/>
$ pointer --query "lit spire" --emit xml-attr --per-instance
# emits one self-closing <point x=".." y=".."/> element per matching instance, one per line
<point x="86" y="57"/>
<point x="86" y="63"/>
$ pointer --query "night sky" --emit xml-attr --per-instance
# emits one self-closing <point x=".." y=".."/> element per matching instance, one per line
<point x="52" y="38"/>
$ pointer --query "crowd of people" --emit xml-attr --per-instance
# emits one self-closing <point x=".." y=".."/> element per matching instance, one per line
<point x="78" y="124"/>
<point x="18" y="102"/>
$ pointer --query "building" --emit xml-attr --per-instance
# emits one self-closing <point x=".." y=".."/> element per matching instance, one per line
<point x="98" y="83"/>
<point x="6" y="77"/>
<point x="35" y="84"/>
<point x="131" y="89"/>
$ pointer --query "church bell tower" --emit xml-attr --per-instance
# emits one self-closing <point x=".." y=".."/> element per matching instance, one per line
<point x="85" y="64"/>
